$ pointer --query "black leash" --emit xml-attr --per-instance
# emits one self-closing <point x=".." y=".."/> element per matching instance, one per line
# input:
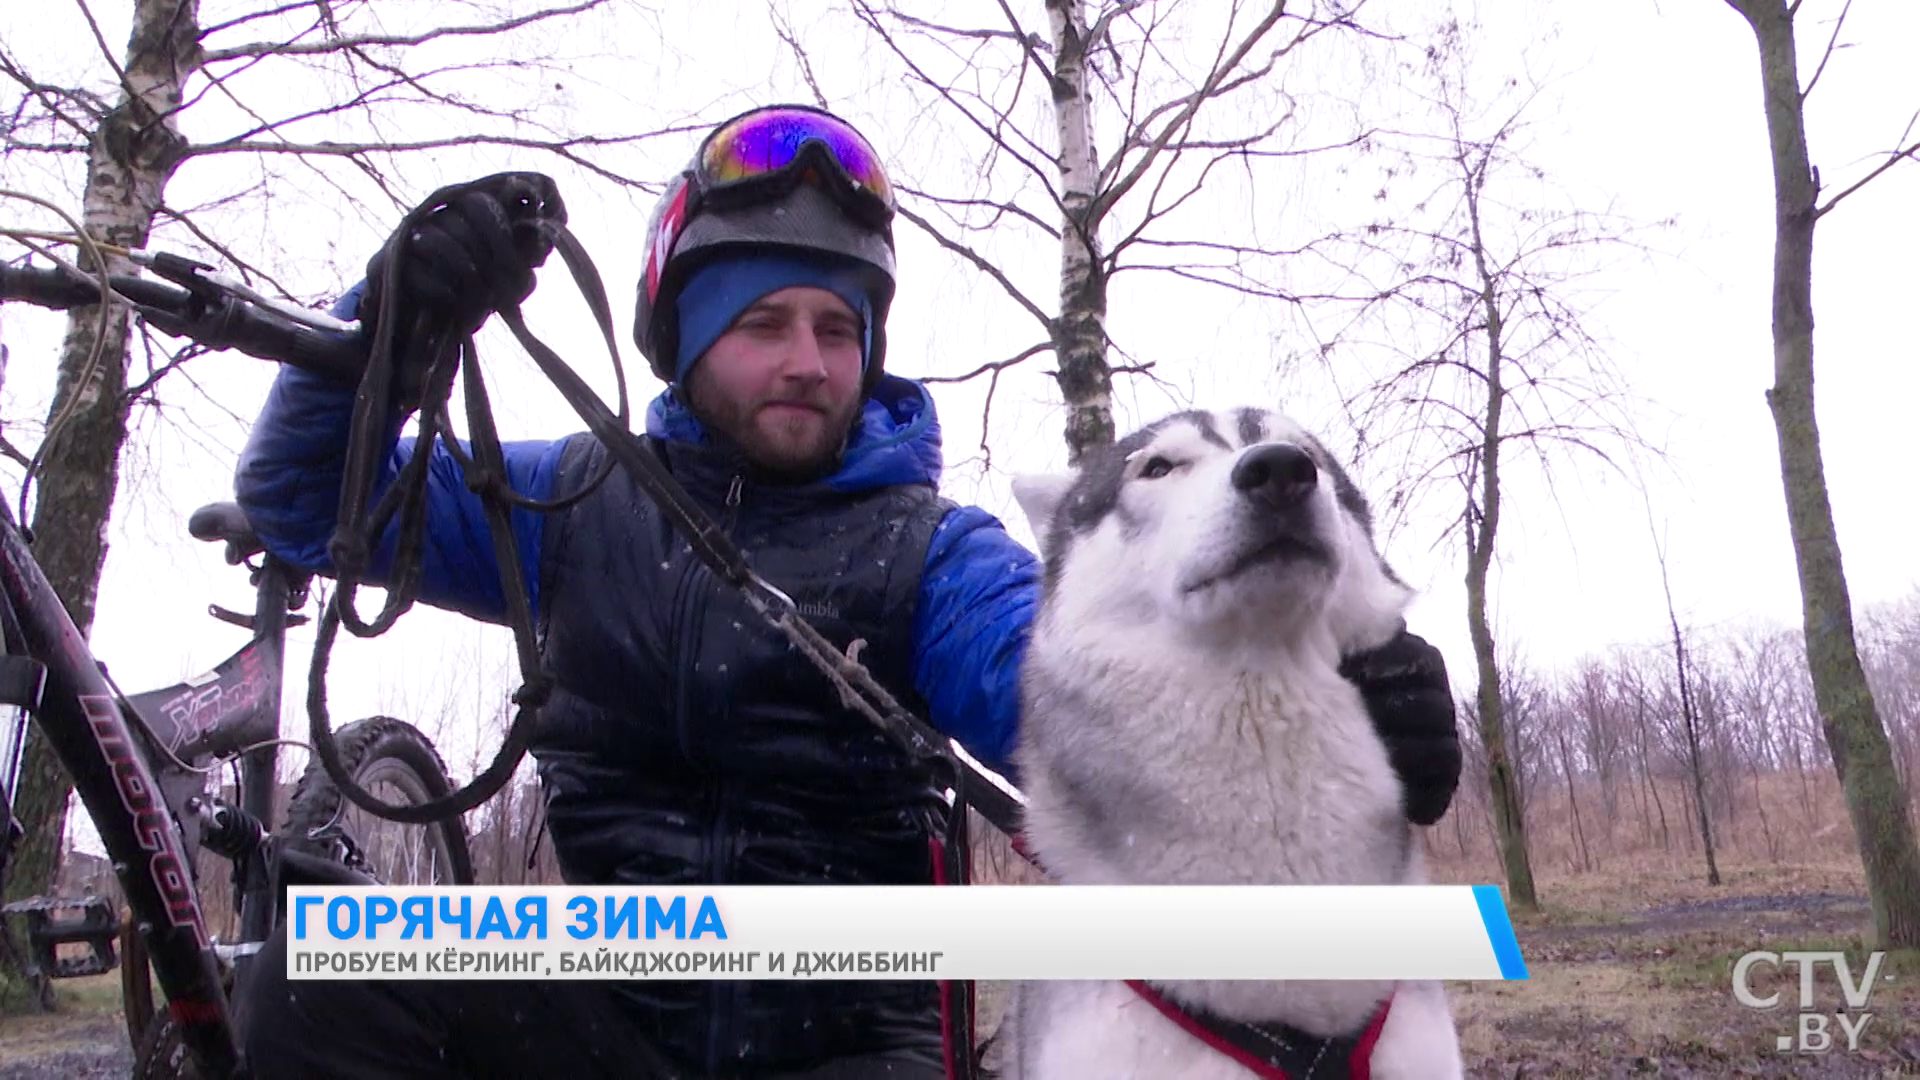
<point x="358" y="531"/>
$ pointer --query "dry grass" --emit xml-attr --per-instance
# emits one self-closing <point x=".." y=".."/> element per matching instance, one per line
<point x="1631" y="968"/>
<point x="1631" y="974"/>
<point x="1649" y="879"/>
<point x="86" y="1037"/>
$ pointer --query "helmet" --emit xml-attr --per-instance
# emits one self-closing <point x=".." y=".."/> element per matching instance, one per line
<point x="784" y="176"/>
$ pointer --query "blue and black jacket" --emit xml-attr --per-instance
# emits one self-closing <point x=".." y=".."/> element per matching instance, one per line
<point x="685" y="742"/>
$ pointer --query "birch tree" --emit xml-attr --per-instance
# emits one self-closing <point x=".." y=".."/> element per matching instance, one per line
<point x="1145" y="107"/>
<point x="279" y="97"/>
<point x="1856" y="736"/>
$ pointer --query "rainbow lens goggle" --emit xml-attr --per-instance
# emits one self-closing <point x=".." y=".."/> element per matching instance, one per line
<point x="766" y="153"/>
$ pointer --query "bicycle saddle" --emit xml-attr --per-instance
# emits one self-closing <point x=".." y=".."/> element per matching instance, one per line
<point x="224" y="521"/>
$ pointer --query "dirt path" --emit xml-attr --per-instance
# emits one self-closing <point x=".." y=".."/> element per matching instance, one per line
<point x="1650" y="994"/>
<point x="85" y="1040"/>
<point x="1647" y="992"/>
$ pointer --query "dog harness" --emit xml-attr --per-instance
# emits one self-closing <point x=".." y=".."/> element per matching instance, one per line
<point x="1270" y="1051"/>
<point x="1277" y="1051"/>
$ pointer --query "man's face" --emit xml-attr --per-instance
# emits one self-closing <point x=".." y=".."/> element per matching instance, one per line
<point x="783" y="383"/>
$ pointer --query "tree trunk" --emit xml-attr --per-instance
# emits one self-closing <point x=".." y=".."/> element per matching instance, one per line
<point x="1080" y="331"/>
<point x="1502" y="781"/>
<point x="1460" y="832"/>
<point x="1584" y="861"/>
<point x="1760" y="808"/>
<point x="1690" y="718"/>
<point x="1646" y="773"/>
<point x="1806" y="786"/>
<point x="1856" y="738"/>
<point x="132" y="156"/>
<point x="1602" y="744"/>
<point x="1640" y="803"/>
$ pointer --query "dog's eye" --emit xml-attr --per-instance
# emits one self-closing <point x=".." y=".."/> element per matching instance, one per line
<point x="1155" y="468"/>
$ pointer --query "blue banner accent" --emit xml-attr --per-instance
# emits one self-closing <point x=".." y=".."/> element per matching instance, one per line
<point x="1506" y="947"/>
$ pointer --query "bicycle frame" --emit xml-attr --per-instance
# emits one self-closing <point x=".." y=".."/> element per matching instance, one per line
<point x="126" y="755"/>
<point x="80" y="715"/>
<point x="233" y="708"/>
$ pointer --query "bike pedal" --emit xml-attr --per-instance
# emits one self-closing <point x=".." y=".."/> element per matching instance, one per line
<point x="97" y="926"/>
<point x="22" y="679"/>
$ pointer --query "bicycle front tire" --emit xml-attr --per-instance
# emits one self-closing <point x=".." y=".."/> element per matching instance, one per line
<point x="381" y="752"/>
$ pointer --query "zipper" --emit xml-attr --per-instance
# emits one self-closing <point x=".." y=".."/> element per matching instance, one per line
<point x="723" y="997"/>
<point x="734" y="490"/>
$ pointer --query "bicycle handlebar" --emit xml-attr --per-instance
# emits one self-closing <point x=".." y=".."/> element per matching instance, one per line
<point x="209" y="316"/>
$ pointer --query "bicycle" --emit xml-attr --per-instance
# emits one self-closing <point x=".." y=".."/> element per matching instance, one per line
<point x="141" y="764"/>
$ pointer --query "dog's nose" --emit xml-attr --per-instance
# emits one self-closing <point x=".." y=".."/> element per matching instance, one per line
<point x="1277" y="474"/>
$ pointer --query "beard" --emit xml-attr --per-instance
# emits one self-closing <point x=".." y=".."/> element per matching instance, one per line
<point x="785" y="440"/>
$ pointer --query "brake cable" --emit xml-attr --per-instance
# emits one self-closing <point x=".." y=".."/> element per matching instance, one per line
<point x="97" y="252"/>
<point x="484" y="467"/>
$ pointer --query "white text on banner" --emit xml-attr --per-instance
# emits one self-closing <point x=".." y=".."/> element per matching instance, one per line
<point x="892" y="932"/>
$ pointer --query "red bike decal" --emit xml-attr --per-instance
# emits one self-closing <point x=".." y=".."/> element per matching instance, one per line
<point x="152" y="827"/>
<point x="197" y="710"/>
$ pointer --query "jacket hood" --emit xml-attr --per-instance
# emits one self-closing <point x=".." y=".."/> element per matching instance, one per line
<point x="896" y="442"/>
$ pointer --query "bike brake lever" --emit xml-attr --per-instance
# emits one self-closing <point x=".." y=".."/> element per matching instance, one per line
<point x="244" y="622"/>
<point x="185" y="273"/>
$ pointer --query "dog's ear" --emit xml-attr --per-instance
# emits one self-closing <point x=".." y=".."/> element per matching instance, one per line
<point x="1040" y="496"/>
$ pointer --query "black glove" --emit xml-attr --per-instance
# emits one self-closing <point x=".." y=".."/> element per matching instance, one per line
<point x="1404" y="684"/>
<point x="465" y="252"/>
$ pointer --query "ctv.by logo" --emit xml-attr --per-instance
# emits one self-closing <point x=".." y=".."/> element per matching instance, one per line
<point x="1813" y="1035"/>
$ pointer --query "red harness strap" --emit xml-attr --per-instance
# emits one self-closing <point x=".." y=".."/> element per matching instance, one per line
<point x="1275" y="1051"/>
<point x="956" y="1002"/>
<point x="1270" y="1051"/>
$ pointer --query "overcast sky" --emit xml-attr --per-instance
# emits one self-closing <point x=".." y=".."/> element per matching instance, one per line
<point x="1653" y="111"/>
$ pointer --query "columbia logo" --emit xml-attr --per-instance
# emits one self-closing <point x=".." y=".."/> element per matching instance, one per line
<point x="814" y="609"/>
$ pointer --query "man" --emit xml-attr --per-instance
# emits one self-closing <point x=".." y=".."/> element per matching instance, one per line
<point x="684" y="742"/>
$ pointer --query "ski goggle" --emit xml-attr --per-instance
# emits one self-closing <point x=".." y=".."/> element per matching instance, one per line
<point x="765" y="153"/>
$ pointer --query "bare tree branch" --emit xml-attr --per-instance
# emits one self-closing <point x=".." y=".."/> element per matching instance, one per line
<point x="1893" y="159"/>
<point x="999" y="210"/>
<point x="401" y="77"/>
<point x="360" y="41"/>
<point x="994" y="368"/>
<point x="1190" y="105"/>
<point x="981" y="264"/>
<point x="1031" y="43"/>
<point x="12" y="453"/>
<point x="50" y="97"/>
<point x="567" y="149"/>
<point x="1827" y="53"/>
<point x="253" y="16"/>
<point x="1104" y="24"/>
<point x="106" y="52"/>
<point x="248" y="271"/>
<point x="359" y="161"/>
<point x="145" y="387"/>
<point x="866" y="15"/>
<point x="784" y="28"/>
<point x="45" y="148"/>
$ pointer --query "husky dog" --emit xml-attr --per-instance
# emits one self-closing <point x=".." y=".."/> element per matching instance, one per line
<point x="1185" y="722"/>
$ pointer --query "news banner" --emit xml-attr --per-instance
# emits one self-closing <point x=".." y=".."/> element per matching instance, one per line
<point x="980" y="932"/>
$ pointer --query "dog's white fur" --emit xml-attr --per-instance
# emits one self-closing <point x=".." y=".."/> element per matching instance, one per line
<point x="1185" y="723"/>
